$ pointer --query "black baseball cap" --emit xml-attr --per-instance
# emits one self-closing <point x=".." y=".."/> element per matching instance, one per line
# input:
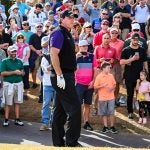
<point x="66" y="13"/>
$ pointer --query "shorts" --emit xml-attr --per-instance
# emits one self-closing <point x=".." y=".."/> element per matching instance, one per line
<point x="84" y="94"/>
<point x="34" y="63"/>
<point x="106" y="108"/>
<point x="10" y="99"/>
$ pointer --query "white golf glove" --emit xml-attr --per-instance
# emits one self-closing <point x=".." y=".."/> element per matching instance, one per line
<point x="61" y="81"/>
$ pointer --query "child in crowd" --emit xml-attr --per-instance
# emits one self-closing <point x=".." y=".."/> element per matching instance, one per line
<point x="143" y="88"/>
<point x="105" y="83"/>
<point x="84" y="80"/>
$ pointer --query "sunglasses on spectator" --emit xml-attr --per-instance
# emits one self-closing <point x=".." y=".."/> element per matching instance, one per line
<point x="13" y="51"/>
<point x="136" y="30"/>
<point x="104" y="13"/>
<point x="106" y="24"/>
<point x="75" y="9"/>
<point x="121" y="1"/>
<point x="94" y="2"/>
<point x="89" y="27"/>
<point x="26" y="24"/>
<point x="39" y="26"/>
<point x="114" y="32"/>
<point x="20" y="37"/>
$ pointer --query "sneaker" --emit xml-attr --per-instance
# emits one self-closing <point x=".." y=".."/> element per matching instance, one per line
<point x="140" y="120"/>
<point x="105" y="130"/>
<point x="18" y="122"/>
<point x="144" y="120"/>
<point x="87" y="126"/>
<point x="44" y="127"/>
<point x="113" y="130"/>
<point x="95" y="111"/>
<point x="34" y="86"/>
<point x="6" y="123"/>
<point x="130" y="116"/>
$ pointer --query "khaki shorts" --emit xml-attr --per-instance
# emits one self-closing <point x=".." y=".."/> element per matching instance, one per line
<point x="37" y="63"/>
<point x="10" y="99"/>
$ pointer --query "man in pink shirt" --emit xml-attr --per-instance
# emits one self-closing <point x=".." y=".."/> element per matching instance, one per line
<point x="98" y="36"/>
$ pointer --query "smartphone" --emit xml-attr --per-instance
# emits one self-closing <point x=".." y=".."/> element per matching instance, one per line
<point x="137" y="53"/>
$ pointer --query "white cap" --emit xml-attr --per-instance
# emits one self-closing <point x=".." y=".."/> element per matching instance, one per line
<point x="12" y="48"/>
<point x="64" y="1"/>
<point x="135" y="26"/>
<point x="83" y="42"/>
<point x="114" y="29"/>
<point x="87" y="24"/>
<point x="47" y="4"/>
<point x="14" y="7"/>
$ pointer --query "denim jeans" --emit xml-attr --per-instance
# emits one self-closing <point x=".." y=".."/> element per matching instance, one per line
<point x="48" y="97"/>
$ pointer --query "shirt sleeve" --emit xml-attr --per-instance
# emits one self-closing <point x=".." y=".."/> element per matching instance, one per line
<point x="123" y="55"/>
<point x="56" y="39"/>
<point x="3" y="66"/>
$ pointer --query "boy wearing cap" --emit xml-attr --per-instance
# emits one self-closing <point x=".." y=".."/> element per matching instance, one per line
<point x="12" y="71"/>
<point x="84" y="80"/>
<point x="105" y="83"/>
<point x="134" y="58"/>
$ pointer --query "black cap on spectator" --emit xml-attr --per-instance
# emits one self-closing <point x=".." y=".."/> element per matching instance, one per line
<point x="135" y="35"/>
<point x="94" y="1"/>
<point x="66" y="13"/>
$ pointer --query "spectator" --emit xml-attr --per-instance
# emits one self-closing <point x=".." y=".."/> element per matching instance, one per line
<point x="26" y="32"/>
<point x="141" y="14"/>
<point x="15" y="14"/>
<point x="134" y="58"/>
<point x="23" y="9"/>
<point x="96" y="24"/>
<point x="87" y="34"/>
<point x="46" y="27"/>
<point x="143" y="88"/>
<point x="23" y="53"/>
<point x="47" y="8"/>
<point x="36" y="51"/>
<point x="48" y="90"/>
<point x="51" y="19"/>
<point x="109" y="5"/>
<point x="142" y="41"/>
<point x="97" y="40"/>
<point x="65" y="4"/>
<point x="105" y="83"/>
<point x="12" y="71"/>
<point x="84" y="80"/>
<point x="125" y="13"/>
<point x="12" y="27"/>
<point x="5" y="39"/>
<point x="92" y="11"/>
<point x="3" y="17"/>
<point x="37" y="16"/>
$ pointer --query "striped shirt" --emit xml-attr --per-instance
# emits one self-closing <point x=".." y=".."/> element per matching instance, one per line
<point x="84" y="72"/>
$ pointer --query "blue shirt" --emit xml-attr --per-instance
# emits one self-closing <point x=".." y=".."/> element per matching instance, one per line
<point x="3" y="7"/>
<point x="96" y="25"/>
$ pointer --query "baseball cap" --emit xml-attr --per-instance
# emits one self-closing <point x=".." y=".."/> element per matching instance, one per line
<point x="94" y="1"/>
<point x="65" y="1"/>
<point x="113" y="29"/>
<point x="83" y="42"/>
<point x="12" y="48"/>
<point x="50" y="13"/>
<point x="38" y="24"/>
<point x="47" y="4"/>
<point x="87" y="24"/>
<point x="66" y="13"/>
<point x="135" y="26"/>
<point x="14" y="7"/>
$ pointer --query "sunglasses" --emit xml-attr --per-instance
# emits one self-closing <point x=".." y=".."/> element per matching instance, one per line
<point x="89" y="27"/>
<point x="114" y="33"/>
<point x="20" y="37"/>
<point x="13" y="51"/>
<point x="39" y="26"/>
<point x="94" y="2"/>
<point x="105" y="24"/>
<point x="136" y="30"/>
<point x="26" y="24"/>
<point x="104" y="13"/>
<point x="121" y="2"/>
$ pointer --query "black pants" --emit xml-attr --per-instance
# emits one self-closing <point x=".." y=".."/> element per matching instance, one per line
<point x="130" y="86"/>
<point x="67" y="108"/>
<point x="26" y="77"/>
